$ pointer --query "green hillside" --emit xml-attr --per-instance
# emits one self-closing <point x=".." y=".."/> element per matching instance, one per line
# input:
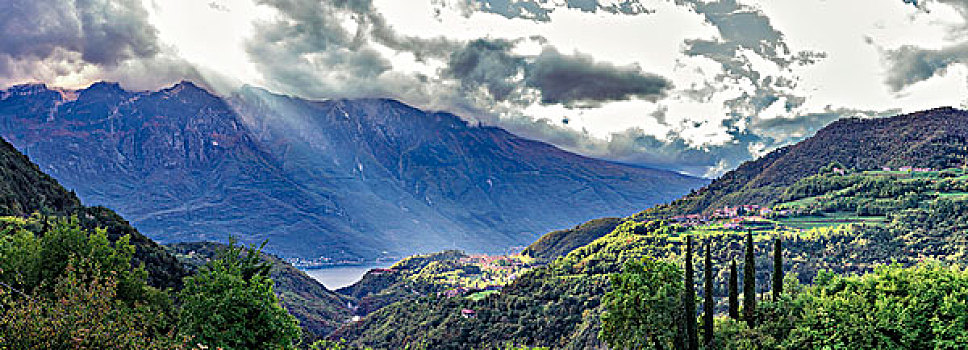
<point x="559" y="243"/>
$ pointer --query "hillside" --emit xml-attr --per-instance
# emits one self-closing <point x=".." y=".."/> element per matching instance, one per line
<point x="318" y="309"/>
<point x="185" y="165"/>
<point x="561" y="242"/>
<point x="936" y="138"/>
<point x="25" y="190"/>
<point x="832" y="222"/>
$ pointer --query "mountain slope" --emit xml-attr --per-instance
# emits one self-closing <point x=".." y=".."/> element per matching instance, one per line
<point x="936" y="138"/>
<point x="559" y="243"/>
<point x="25" y="190"/>
<point x="341" y="179"/>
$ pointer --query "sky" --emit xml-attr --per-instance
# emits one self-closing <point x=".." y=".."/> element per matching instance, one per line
<point x="687" y="85"/>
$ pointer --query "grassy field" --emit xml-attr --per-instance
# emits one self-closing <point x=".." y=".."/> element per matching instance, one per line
<point x="481" y="295"/>
<point x="830" y="220"/>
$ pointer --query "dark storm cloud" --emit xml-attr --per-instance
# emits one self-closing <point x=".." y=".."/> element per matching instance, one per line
<point x="911" y="64"/>
<point x="309" y="50"/>
<point x="488" y="64"/>
<point x="578" y="79"/>
<point x="572" y="80"/>
<point x="99" y="32"/>
<point x="90" y="39"/>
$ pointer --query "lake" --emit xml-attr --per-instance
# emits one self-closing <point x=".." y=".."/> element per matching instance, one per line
<point x="334" y="278"/>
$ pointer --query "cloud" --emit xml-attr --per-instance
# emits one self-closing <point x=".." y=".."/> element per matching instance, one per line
<point x="572" y="80"/>
<point x="540" y="10"/>
<point x="910" y="64"/>
<point x="85" y="41"/>
<point x="579" y="80"/>
<point x="487" y="64"/>
<point x="745" y="31"/>
<point x="100" y="31"/>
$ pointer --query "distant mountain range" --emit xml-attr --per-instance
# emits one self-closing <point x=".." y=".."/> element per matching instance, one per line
<point x="342" y="179"/>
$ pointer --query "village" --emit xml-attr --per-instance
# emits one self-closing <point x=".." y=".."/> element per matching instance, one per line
<point x="753" y="216"/>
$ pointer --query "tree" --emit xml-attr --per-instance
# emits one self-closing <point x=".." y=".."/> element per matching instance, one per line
<point x="707" y="304"/>
<point x="733" y="291"/>
<point x="689" y="299"/>
<point x="749" y="282"/>
<point x="921" y="307"/>
<point x="66" y="287"/>
<point x="230" y="304"/>
<point x="644" y="306"/>
<point x="777" y="269"/>
<point x="82" y="311"/>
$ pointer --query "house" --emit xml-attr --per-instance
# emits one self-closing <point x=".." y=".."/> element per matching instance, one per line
<point x="455" y="292"/>
<point x="468" y="313"/>
<point x="905" y="168"/>
<point x="887" y="168"/>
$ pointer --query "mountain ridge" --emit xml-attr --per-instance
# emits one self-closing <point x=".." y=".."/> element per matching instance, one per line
<point x="342" y="179"/>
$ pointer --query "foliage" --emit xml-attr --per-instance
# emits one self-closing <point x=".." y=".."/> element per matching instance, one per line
<point x="689" y="299"/>
<point x="644" y="309"/>
<point x="733" y="291"/>
<point x="708" y="303"/>
<point x="319" y="310"/>
<point x="71" y="288"/>
<point x="921" y="307"/>
<point x="82" y="312"/>
<point x="924" y="307"/>
<point x="230" y="304"/>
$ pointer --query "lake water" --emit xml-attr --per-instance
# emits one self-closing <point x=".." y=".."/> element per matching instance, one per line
<point x="338" y="277"/>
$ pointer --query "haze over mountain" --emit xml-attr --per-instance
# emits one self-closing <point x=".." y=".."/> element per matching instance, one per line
<point x="339" y="178"/>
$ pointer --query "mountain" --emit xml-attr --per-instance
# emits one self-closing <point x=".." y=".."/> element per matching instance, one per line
<point x="339" y="179"/>
<point x="936" y="138"/>
<point x="318" y="309"/>
<point x="25" y="190"/>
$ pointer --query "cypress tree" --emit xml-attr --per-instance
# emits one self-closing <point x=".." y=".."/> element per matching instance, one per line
<point x="733" y="291"/>
<point x="707" y="305"/>
<point x="749" y="283"/>
<point x="692" y="341"/>
<point x="777" y="269"/>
